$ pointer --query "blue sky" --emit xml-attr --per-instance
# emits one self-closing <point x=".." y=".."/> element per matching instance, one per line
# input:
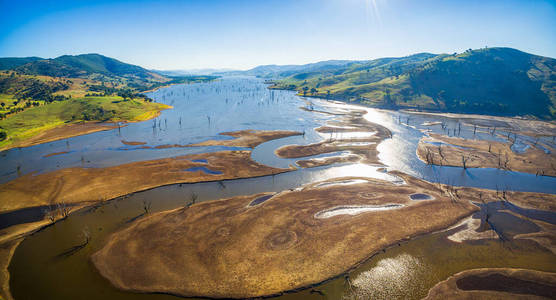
<point x="245" y="33"/>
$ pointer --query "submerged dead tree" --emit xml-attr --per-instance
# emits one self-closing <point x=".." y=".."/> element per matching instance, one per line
<point x="147" y="206"/>
<point x="440" y="152"/>
<point x="464" y="160"/>
<point x="429" y="157"/>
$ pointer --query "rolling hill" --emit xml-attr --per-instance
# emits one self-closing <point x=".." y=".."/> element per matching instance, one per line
<point x="37" y="94"/>
<point x="7" y="63"/>
<point x="496" y="81"/>
<point x="85" y="65"/>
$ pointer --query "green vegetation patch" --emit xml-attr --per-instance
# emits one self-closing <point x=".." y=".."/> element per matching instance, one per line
<point x="37" y="119"/>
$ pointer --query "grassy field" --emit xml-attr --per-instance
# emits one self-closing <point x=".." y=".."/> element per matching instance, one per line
<point x="6" y="101"/>
<point x="109" y="109"/>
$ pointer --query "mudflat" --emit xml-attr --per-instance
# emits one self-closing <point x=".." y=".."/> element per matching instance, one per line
<point x="485" y="154"/>
<point x="294" y="239"/>
<point x="77" y="185"/>
<point x="353" y="133"/>
<point x="496" y="283"/>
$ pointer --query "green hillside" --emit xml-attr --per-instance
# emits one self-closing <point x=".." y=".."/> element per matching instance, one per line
<point x="39" y="94"/>
<point x="83" y="65"/>
<point x="7" y="63"/>
<point x="497" y="81"/>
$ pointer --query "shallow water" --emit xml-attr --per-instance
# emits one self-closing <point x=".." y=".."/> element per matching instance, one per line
<point x="245" y="103"/>
<point x="418" y="197"/>
<point x="203" y="169"/>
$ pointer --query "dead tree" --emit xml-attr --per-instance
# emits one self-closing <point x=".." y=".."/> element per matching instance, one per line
<point x="49" y="214"/>
<point x="193" y="198"/>
<point x="221" y="184"/>
<point x="147" y="206"/>
<point x="440" y="152"/>
<point x="429" y="157"/>
<point x="493" y="131"/>
<point x="63" y="209"/>
<point x="512" y="141"/>
<point x="464" y="160"/>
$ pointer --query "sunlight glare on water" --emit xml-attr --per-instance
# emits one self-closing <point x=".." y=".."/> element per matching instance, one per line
<point x="391" y="278"/>
<point x="358" y="170"/>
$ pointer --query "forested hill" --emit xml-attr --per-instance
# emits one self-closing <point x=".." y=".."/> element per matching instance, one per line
<point x="7" y="63"/>
<point x="496" y="81"/>
<point x="76" y="75"/>
<point x="76" y="66"/>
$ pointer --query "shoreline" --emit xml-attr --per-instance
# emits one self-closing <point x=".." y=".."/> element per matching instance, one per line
<point x="80" y="128"/>
<point x="412" y="110"/>
<point x="239" y="139"/>
<point x="60" y="132"/>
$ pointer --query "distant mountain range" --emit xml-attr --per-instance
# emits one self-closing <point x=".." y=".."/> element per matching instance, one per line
<point x="77" y="66"/>
<point x="497" y="81"/>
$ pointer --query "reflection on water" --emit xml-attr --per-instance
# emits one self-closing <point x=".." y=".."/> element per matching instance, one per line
<point x="201" y="112"/>
<point x="392" y="278"/>
<point x="204" y="170"/>
<point x="433" y="258"/>
<point x="342" y="135"/>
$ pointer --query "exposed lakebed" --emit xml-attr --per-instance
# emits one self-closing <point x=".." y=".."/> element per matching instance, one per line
<point x="239" y="104"/>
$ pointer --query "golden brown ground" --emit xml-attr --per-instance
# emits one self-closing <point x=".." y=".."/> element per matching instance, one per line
<point x="76" y="185"/>
<point x="226" y="248"/>
<point x="496" y="283"/>
<point x="477" y="155"/>
<point x="242" y="138"/>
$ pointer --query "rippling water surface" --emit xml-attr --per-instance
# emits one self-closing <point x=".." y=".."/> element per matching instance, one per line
<point x="201" y="112"/>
